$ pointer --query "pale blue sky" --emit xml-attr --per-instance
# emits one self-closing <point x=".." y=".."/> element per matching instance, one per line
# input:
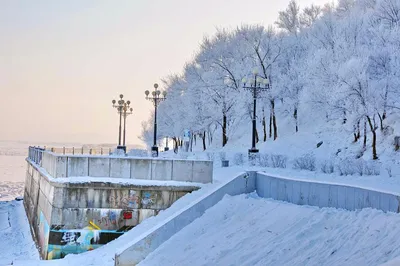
<point x="62" y="62"/>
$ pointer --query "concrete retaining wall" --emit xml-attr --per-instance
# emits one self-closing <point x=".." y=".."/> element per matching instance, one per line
<point x="139" y="248"/>
<point x="324" y="194"/>
<point x="74" y="217"/>
<point x="127" y="167"/>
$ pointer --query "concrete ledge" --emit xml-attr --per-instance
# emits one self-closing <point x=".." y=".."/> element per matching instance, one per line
<point x="325" y="194"/>
<point x="139" y="248"/>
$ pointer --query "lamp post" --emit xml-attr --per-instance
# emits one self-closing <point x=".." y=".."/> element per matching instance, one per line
<point x="123" y="109"/>
<point x="156" y="98"/>
<point x="256" y="85"/>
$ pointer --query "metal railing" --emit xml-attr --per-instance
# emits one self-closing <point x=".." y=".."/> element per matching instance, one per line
<point x="35" y="154"/>
<point x="79" y="150"/>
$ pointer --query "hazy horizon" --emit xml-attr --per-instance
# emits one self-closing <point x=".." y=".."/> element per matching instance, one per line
<point x="63" y="62"/>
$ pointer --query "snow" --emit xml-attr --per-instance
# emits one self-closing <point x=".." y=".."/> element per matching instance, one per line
<point x="123" y="181"/>
<point x="105" y="254"/>
<point x="247" y="230"/>
<point x="16" y="240"/>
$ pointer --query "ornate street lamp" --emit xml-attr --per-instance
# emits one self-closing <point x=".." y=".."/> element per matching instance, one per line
<point x="256" y="85"/>
<point x="156" y="97"/>
<point x="123" y="109"/>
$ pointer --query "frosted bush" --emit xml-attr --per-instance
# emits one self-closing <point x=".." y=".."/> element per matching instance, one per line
<point x="238" y="158"/>
<point x="346" y="167"/>
<point x="211" y="156"/>
<point x="389" y="170"/>
<point x="372" y="168"/>
<point x="278" y="161"/>
<point x="183" y="155"/>
<point x="118" y="152"/>
<point x="327" y="167"/>
<point x="358" y="166"/>
<point x="254" y="159"/>
<point x="306" y="162"/>
<point x="222" y="155"/>
<point x="264" y="160"/>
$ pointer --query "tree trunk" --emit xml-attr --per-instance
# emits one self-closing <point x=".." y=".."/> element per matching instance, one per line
<point x="264" y="123"/>
<point x="274" y="119"/>
<point x="365" y="134"/>
<point x="270" y="125"/>
<point x="257" y="138"/>
<point x="175" y="144"/>
<point x="381" y="121"/>
<point x="344" y="117"/>
<point x="358" y="129"/>
<point x="355" y="133"/>
<point x="191" y="143"/>
<point x="224" y="125"/>
<point x="295" y="119"/>
<point x="373" y="130"/>
<point x="204" y="141"/>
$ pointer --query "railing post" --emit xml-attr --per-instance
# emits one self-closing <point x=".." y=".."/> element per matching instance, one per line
<point x="73" y="150"/>
<point x="64" y="150"/>
<point x="82" y="149"/>
<point x="101" y="151"/>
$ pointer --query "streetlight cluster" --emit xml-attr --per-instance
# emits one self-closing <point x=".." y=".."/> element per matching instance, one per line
<point x="123" y="109"/>
<point x="255" y="84"/>
<point x="156" y="97"/>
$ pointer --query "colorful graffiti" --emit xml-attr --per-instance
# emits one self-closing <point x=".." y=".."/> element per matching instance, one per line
<point x="133" y="201"/>
<point x="74" y="241"/>
<point x="43" y="238"/>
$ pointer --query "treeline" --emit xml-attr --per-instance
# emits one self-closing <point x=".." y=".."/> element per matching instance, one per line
<point x="340" y="59"/>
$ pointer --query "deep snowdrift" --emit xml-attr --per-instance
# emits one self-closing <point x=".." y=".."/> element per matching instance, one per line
<point x="246" y="230"/>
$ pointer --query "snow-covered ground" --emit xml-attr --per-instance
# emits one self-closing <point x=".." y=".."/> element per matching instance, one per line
<point x="16" y="240"/>
<point x="13" y="167"/>
<point x="247" y="230"/>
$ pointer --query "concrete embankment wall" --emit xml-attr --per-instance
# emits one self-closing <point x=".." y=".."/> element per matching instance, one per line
<point x="76" y="217"/>
<point x="324" y="194"/>
<point x="127" y="167"/>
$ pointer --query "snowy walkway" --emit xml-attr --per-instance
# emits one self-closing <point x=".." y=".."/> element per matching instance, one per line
<point x="253" y="231"/>
<point x="15" y="237"/>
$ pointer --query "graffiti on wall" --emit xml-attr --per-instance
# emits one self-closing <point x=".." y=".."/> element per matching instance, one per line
<point x="74" y="241"/>
<point x="133" y="201"/>
<point x="44" y="230"/>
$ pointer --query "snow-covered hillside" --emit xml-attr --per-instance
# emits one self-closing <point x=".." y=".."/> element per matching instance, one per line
<point x="333" y="75"/>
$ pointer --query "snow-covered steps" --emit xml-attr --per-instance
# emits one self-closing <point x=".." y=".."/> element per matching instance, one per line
<point x="247" y="230"/>
<point x="301" y="192"/>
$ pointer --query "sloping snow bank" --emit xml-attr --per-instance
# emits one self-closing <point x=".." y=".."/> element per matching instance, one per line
<point x="247" y="230"/>
<point x="16" y="240"/>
